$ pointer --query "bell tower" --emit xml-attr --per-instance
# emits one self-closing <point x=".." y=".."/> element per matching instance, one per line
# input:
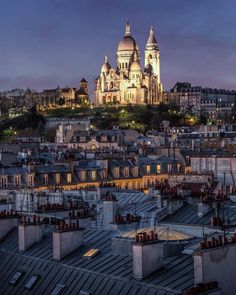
<point x="152" y="55"/>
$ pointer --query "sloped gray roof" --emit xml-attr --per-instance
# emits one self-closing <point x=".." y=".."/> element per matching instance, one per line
<point x="102" y="274"/>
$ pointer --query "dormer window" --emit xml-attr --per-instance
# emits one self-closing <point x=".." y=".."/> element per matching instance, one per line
<point x="94" y="174"/>
<point x="17" y="180"/>
<point x="45" y="178"/>
<point x="126" y="172"/>
<point x="83" y="175"/>
<point x="69" y="177"/>
<point x="4" y="182"/>
<point x="57" y="178"/>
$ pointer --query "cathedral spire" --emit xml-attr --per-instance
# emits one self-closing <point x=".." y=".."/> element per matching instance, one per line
<point x="152" y="39"/>
<point x="127" y="28"/>
<point x="106" y="58"/>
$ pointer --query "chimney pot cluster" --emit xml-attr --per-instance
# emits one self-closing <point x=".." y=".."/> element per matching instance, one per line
<point x="216" y="221"/>
<point x="202" y="288"/>
<point x="82" y="212"/>
<point x="211" y="197"/>
<point x="184" y="186"/>
<point x="106" y="184"/>
<point x="217" y="242"/>
<point x="129" y="218"/>
<point x="164" y="187"/>
<point x="26" y="221"/>
<point x="59" y="206"/>
<point x="109" y="197"/>
<point x="6" y="214"/>
<point x="146" y="237"/>
<point x="67" y="226"/>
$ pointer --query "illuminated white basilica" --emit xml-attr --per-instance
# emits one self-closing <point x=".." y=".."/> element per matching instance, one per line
<point x="128" y="84"/>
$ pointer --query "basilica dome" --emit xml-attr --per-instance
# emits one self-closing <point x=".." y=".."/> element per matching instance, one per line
<point x="127" y="43"/>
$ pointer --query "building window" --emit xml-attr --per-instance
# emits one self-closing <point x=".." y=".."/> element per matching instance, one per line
<point x="117" y="172"/>
<point x="126" y="172"/>
<point x="83" y="175"/>
<point x="148" y="169"/>
<point x="30" y="180"/>
<point x="69" y="177"/>
<point x="93" y="174"/>
<point x="4" y="182"/>
<point x="158" y="168"/>
<point x="17" y="180"/>
<point x="45" y="178"/>
<point x="57" y="178"/>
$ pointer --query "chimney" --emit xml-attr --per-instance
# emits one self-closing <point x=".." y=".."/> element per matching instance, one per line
<point x="215" y="261"/>
<point x="173" y="204"/>
<point x="125" y="223"/>
<point x="109" y="210"/>
<point x="83" y="215"/>
<point x="147" y="254"/>
<point x="8" y="220"/>
<point x="105" y="188"/>
<point x="156" y="192"/>
<point x="30" y="232"/>
<point x="203" y="208"/>
<point x="67" y="238"/>
<point x="122" y="246"/>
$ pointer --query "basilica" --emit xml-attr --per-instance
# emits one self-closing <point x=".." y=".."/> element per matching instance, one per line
<point x="128" y="83"/>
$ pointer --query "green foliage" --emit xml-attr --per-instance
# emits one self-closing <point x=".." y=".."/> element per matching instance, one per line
<point x="31" y="119"/>
<point x="138" y="117"/>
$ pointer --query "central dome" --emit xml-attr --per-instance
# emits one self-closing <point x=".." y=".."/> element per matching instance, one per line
<point x="127" y="43"/>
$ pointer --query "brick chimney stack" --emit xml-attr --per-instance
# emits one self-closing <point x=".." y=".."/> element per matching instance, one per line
<point x="30" y="231"/>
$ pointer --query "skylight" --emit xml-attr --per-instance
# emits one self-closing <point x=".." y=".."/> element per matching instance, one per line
<point x="91" y="253"/>
<point x="33" y="279"/>
<point x="58" y="289"/>
<point x="16" y="277"/>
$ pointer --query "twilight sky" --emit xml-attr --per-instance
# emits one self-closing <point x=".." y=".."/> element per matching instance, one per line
<point x="46" y="43"/>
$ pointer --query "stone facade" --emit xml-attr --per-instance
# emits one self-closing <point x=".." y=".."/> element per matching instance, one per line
<point x="64" y="97"/>
<point x="128" y="83"/>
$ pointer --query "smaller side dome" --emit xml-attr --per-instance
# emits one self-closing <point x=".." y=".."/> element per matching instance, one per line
<point x="106" y="66"/>
<point x="135" y="66"/>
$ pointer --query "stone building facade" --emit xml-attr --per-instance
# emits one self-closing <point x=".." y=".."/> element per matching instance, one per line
<point x="128" y="83"/>
<point x="64" y="97"/>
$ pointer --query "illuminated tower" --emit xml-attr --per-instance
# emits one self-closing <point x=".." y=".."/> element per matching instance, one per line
<point x="152" y="56"/>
